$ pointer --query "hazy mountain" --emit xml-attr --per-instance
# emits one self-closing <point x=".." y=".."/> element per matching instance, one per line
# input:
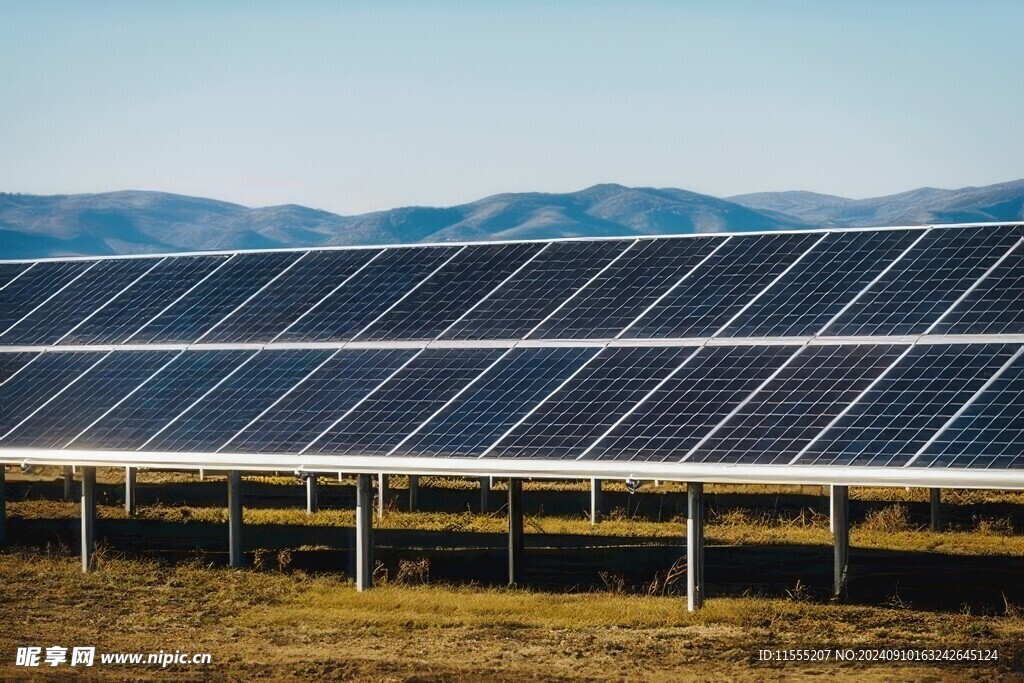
<point x="1002" y="202"/>
<point x="149" y="222"/>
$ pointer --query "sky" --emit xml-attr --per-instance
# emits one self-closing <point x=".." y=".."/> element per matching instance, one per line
<point x="354" y="107"/>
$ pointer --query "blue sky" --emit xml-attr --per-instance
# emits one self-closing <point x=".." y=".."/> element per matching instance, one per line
<point x="355" y="107"/>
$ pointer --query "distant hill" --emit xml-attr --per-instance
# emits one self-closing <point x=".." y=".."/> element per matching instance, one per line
<point x="134" y="222"/>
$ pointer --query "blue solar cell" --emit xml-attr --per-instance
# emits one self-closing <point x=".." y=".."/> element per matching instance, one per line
<point x="780" y="419"/>
<point x="537" y="291"/>
<point x="908" y="405"/>
<point x="370" y="293"/>
<point x="995" y="306"/>
<point x="95" y="392"/>
<point x="10" y="271"/>
<point x="38" y="382"/>
<point x="603" y="308"/>
<point x="501" y="397"/>
<point x="294" y="294"/>
<point x="719" y="289"/>
<point x="157" y="401"/>
<point x="926" y="282"/>
<point x="98" y="285"/>
<point x="214" y="298"/>
<point x="568" y="422"/>
<point x="684" y="409"/>
<point x="313" y="405"/>
<point x="447" y="294"/>
<point x="12" y="363"/>
<point x="35" y="286"/>
<point x="158" y="289"/>
<point x="208" y="424"/>
<point x="990" y="433"/>
<point x="385" y="417"/>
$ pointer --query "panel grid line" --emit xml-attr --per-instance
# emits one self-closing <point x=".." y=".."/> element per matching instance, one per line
<point x="49" y="298"/>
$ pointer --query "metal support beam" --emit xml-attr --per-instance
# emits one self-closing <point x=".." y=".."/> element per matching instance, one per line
<point x="88" y="518"/>
<point x="485" y="494"/>
<point x="515" y="531"/>
<point x="694" y="546"/>
<point x="235" y="557"/>
<point x="382" y="494"/>
<point x="129" y="490"/>
<point x="595" y="501"/>
<point x="840" y="514"/>
<point x="935" y="497"/>
<point x="312" y="494"/>
<point x="414" y="492"/>
<point x="364" y="532"/>
<point x="69" y="480"/>
<point x="3" y="506"/>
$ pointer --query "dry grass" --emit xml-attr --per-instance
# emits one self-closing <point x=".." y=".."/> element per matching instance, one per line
<point x="273" y="626"/>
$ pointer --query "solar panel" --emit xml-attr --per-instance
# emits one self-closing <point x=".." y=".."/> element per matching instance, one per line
<point x="383" y="418"/>
<point x="990" y="433"/>
<point x="125" y="314"/>
<point x="10" y="271"/>
<point x="131" y="423"/>
<point x="291" y="296"/>
<point x="925" y="283"/>
<point x="208" y="424"/>
<point x="447" y="294"/>
<point x="214" y="298"/>
<point x="908" y="405"/>
<point x="682" y="411"/>
<point x="565" y="424"/>
<point x="994" y="307"/>
<point x="781" y="418"/>
<point x="537" y="291"/>
<point x="346" y="311"/>
<point x="38" y="382"/>
<point x="502" y="396"/>
<point x="35" y="286"/>
<point x="51" y="320"/>
<point x="12" y="363"/>
<point x="621" y="293"/>
<point x="95" y="392"/>
<point x="720" y="288"/>
<point x="818" y="287"/>
<point x="314" y="404"/>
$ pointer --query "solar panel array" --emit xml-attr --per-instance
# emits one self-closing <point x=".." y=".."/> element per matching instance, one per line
<point x="897" y="348"/>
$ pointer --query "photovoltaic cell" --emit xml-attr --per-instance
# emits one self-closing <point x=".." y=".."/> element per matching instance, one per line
<point x="726" y="282"/>
<point x="207" y="425"/>
<point x="406" y="400"/>
<point x="38" y="382"/>
<point x="996" y="306"/>
<point x="579" y="412"/>
<point x="10" y="363"/>
<point x="910" y="403"/>
<point x="525" y="300"/>
<point x="818" y="287"/>
<point x="687" y="407"/>
<point x="783" y="417"/>
<point x="9" y="271"/>
<point x="347" y="311"/>
<point x="450" y="292"/>
<point x="48" y="323"/>
<point x="305" y="412"/>
<point x="990" y="434"/>
<point x="98" y="390"/>
<point x="925" y="282"/>
<point x="620" y="294"/>
<point x="213" y="299"/>
<point x="19" y="297"/>
<point x="129" y="425"/>
<point x="295" y="293"/>
<point x="496" y="402"/>
<point x="158" y="289"/>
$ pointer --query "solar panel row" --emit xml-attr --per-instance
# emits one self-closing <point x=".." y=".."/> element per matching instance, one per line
<point x="932" y="405"/>
<point x="895" y="282"/>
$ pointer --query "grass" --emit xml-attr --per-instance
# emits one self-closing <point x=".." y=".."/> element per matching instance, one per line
<point x="295" y="626"/>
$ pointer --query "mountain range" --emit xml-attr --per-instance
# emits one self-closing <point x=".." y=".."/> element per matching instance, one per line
<point x="135" y="222"/>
